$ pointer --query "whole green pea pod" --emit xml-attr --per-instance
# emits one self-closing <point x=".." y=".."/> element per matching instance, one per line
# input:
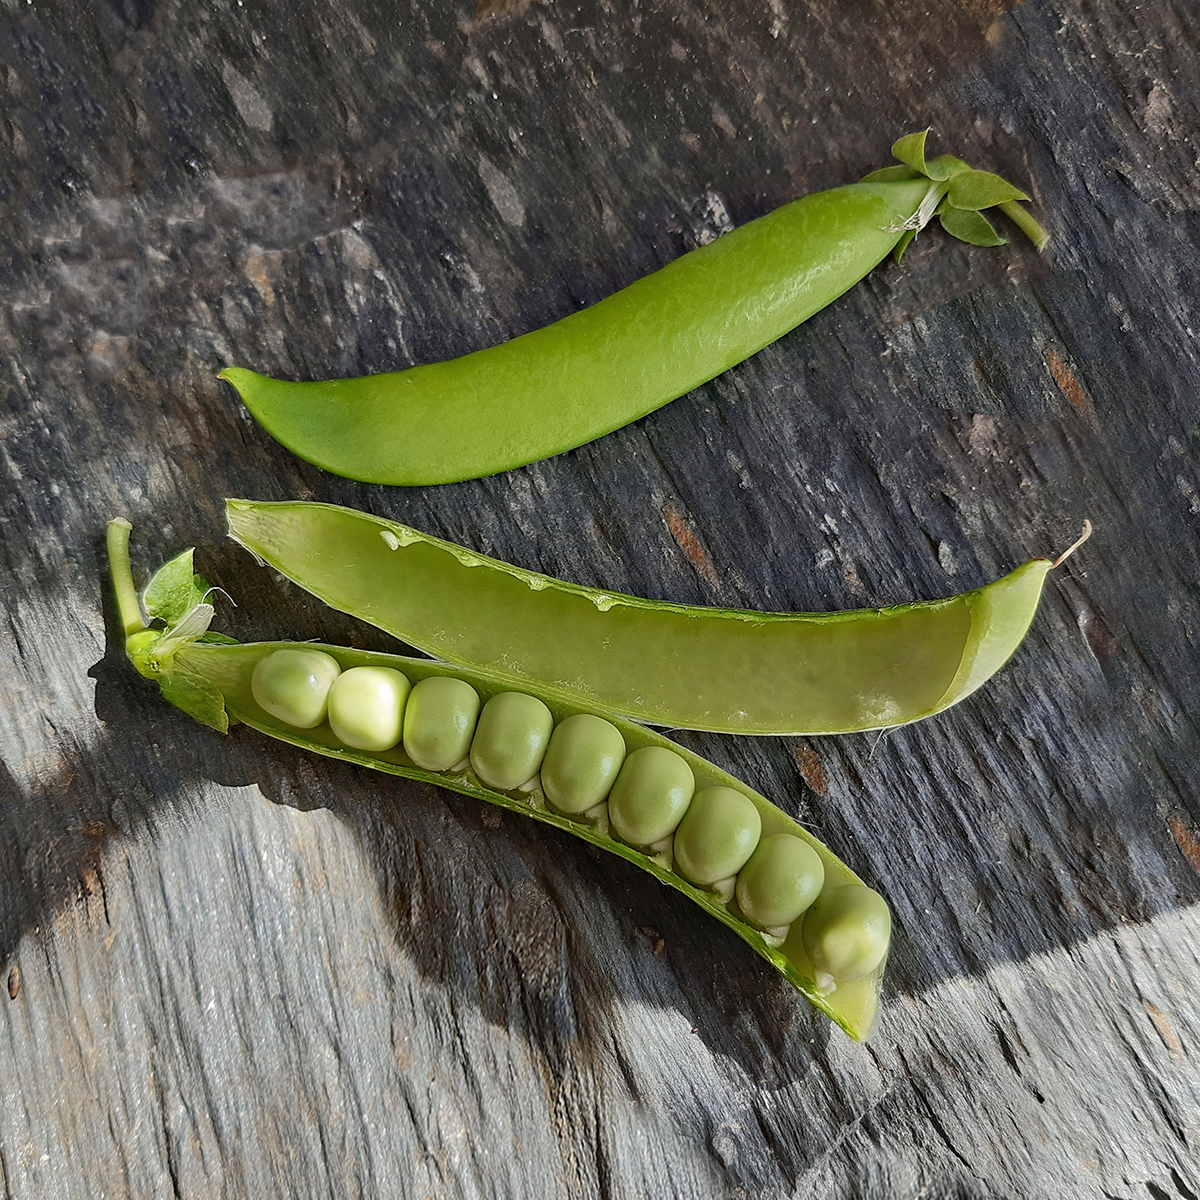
<point x="611" y="782"/>
<point x="685" y="667"/>
<point x="634" y="351"/>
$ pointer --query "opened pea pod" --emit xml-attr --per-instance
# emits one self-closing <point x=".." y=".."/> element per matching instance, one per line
<point x="609" y="781"/>
<point x="720" y="669"/>
<point x="600" y="368"/>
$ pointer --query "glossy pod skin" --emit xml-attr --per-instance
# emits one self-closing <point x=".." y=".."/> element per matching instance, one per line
<point x="719" y="669"/>
<point x="214" y="682"/>
<point x="604" y="366"/>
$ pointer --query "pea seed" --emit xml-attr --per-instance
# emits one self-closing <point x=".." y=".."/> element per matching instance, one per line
<point x="293" y="685"/>
<point x="650" y="796"/>
<point x="510" y="743"/>
<point x="439" y="721"/>
<point x="366" y="707"/>
<point x="717" y="835"/>
<point x="582" y="762"/>
<point x="780" y="880"/>
<point x="846" y="931"/>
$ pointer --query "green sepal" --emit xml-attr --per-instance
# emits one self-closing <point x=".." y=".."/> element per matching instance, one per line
<point x="891" y="174"/>
<point x="175" y="590"/>
<point x="964" y="189"/>
<point x="195" y="697"/>
<point x="970" y="227"/>
<point x="910" y="150"/>
<point x="946" y="166"/>
<point x="217" y="639"/>
<point x="191" y="627"/>
<point x="902" y="245"/>
<point x="981" y="189"/>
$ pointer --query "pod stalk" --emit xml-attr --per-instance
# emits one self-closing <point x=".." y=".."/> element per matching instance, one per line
<point x="128" y="605"/>
<point x="1025" y="222"/>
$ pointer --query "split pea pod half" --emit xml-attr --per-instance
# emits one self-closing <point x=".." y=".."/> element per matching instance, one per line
<point x="609" y="781"/>
<point x="720" y="669"/>
<point x="605" y="366"/>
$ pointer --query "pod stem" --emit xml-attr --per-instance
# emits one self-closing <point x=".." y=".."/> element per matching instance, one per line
<point x="128" y="606"/>
<point x="1024" y="221"/>
<point x="1083" y="537"/>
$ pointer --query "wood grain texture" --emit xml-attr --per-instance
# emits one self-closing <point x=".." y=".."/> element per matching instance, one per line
<point x="236" y="971"/>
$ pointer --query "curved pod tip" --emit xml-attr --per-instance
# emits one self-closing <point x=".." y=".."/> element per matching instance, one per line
<point x="1001" y="615"/>
<point x="239" y="378"/>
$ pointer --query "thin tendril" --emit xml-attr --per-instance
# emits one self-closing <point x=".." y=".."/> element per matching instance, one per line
<point x="223" y="592"/>
<point x="1083" y="537"/>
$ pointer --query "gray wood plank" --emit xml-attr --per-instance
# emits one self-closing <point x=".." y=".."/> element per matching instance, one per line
<point x="235" y="971"/>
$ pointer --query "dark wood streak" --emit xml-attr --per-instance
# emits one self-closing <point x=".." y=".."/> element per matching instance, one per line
<point x="241" y="972"/>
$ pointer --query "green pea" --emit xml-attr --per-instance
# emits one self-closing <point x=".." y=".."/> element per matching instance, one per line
<point x="651" y="795"/>
<point x="439" y="721"/>
<point x="582" y="761"/>
<point x="717" y="835"/>
<point x="510" y="743"/>
<point x="293" y="685"/>
<point x="366" y="707"/>
<point x="846" y="931"/>
<point x="780" y="880"/>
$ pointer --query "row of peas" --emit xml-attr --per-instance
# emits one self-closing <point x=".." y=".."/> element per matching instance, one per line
<point x="581" y="764"/>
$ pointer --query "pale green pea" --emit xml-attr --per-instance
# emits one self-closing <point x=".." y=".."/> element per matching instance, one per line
<point x="366" y="707"/>
<point x="582" y="761"/>
<point x="650" y="796"/>
<point x="780" y="880"/>
<point x="510" y="742"/>
<point x="293" y="686"/>
<point x="846" y="931"/>
<point x="439" y="721"/>
<point x="717" y="835"/>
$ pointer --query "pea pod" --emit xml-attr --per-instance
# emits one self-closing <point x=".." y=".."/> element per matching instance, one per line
<point x="720" y="669"/>
<point x="220" y="683"/>
<point x="604" y="366"/>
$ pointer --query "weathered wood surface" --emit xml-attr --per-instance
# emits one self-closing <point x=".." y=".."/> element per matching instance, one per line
<point x="236" y="971"/>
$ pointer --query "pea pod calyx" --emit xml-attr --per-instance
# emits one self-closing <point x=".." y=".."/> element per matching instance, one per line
<point x="214" y="679"/>
<point x="957" y="197"/>
<point x="595" y="370"/>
